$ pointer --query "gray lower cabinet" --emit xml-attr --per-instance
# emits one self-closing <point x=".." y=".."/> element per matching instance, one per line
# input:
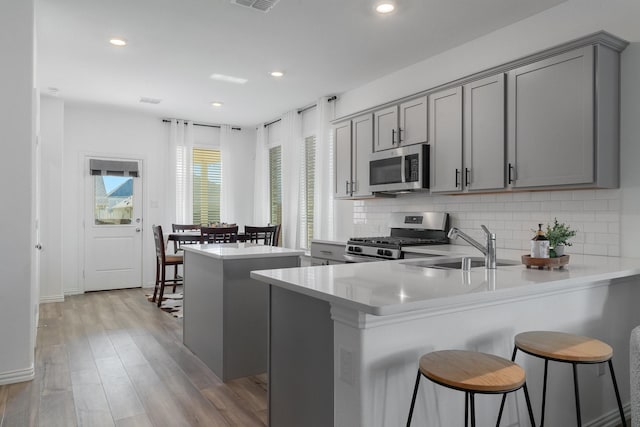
<point x="326" y="253"/>
<point x="484" y="129"/>
<point x="445" y="139"/>
<point x="563" y="120"/>
<point x="353" y="141"/>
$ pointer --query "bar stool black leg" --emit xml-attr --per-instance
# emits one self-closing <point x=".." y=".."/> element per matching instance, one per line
<point x="413" y="399"/>
<point x="504" y="396"/>
<point x="575" y="386"/>
<point x="529" y="408"/>
<point x="544" y="391"/>
<point x="466" y="409"/>
<point x="615" y="387"/>
<point x="473" y="410"/>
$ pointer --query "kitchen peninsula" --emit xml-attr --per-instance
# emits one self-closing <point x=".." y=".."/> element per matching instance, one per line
<point x="225" y="311"/>
<point x="345" y="339"/>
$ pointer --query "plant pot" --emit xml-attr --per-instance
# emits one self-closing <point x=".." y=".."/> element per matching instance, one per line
<point x="559" y="250"/>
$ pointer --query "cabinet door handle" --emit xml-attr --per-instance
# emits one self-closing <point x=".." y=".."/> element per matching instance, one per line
<point x="457" y="175"/>
<point x="346" y="187"/>
<point x="354" y="186"/>
<point x="510" y="173"/>
<point x="393" y="136"/>
<point x="399" y="135"/>
<point x="466" y="177"/>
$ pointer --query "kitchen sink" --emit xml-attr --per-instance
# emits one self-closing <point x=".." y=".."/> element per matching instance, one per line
<point x="456" y="263"/>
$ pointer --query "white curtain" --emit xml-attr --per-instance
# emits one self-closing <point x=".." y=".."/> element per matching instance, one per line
<point x="291" y="162"/>
<point x="323" y="227"/>
<point x="261" y="179"/>
<point x="180" y="185"/>
<point x="227" y="213"/>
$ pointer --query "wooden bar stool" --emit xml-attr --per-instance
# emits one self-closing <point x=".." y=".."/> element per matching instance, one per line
<point x="473" y="373"/>
<point x="566" y="348"/>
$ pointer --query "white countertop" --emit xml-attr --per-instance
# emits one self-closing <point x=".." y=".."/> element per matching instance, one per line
<point x="240" y="250"/>
<point x="391" y="287"/>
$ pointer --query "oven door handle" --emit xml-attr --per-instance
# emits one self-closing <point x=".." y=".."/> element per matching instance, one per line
<point x="357" y="258"/>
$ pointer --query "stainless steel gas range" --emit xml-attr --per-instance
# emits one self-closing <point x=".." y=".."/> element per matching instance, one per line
<point x="407" y="229"/>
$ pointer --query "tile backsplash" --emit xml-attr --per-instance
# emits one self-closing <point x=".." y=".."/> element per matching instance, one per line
<point x="594" y="214"/>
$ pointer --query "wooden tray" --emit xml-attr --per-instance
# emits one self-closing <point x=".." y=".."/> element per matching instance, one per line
<point x="545" y="263"/>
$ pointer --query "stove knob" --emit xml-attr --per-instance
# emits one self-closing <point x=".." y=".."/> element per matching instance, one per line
<point x="350" y="248"/>
<point x="357" y="249"/>
<point x="380" y="252"/>
<point x="387" y="252"/>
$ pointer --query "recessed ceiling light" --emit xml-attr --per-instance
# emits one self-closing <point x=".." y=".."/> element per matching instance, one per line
<point x="277" y="73"/>
<point x="228" y="79"/>
<point x="117" y="41"/>
<point x="385" y="7"/>
<point x="216" y="104"/>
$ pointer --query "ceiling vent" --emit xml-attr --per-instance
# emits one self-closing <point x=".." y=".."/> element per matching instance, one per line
<point x="261" y="5"/>
<point x="146" y="100"/>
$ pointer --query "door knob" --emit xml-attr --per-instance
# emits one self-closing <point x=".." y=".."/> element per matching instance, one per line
<point x="39" y="246"/>
<point x="138" y="230"/>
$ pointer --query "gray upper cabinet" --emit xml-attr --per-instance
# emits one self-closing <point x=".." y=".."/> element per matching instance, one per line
<point x="342" y="160"/>
<point x="445" y="139"/>
<point x="353" y="141"/>
<point x="402" y="124"/>
<point x="484" y="134"/>
<point x="413" y="121"/>
<point x="386" y="128"/>
<point x="362" y="137"/>
<point x="553" y="112"/>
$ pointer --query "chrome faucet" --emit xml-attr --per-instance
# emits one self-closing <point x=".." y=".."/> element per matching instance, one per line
<point x="489" y="250"/>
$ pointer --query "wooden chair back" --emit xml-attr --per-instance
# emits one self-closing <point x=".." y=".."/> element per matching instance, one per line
<point x="184" y="240"/>
<point x="185" y="227"/>
<point x="158" y="239"/>
<point x="264" y="235"/>
<point x="219" y="234"/>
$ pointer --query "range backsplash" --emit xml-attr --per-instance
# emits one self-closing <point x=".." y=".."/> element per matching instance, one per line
<point x="595" y="214"/>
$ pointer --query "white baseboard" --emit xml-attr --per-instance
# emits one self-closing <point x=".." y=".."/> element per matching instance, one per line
<point x="51" y="298"/>
<point x="18" y="376"/>
<point x="73" y="292"/>
<point x="611" y="418"/>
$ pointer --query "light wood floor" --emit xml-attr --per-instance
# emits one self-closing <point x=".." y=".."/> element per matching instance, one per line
<point x="115" y="359"/>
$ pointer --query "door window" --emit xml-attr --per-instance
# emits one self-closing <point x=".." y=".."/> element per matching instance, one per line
<point x="113" y="203"/>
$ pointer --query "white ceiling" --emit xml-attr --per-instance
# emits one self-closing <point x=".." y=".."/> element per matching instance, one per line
<point x="324" y="46"/>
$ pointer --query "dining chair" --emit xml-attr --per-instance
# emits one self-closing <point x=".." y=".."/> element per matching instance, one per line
<point x="219" y="234"/>
<point x="178" y="241"/>
<point x="265" y="235"/>
<point x="162" y="261"/>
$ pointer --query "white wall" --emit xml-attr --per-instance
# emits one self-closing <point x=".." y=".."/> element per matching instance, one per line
<point x="238" y="176"/>
<point x="100" y="130"/>
<point x="17" y="317"/>
<point x="598" y="214"/>
<point x="51" y="140"/>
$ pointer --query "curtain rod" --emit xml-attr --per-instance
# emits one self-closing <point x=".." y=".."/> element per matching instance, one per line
<point x="270" y="123"/>
<point x="302" y="110"/>
<point x="204" y="125"/>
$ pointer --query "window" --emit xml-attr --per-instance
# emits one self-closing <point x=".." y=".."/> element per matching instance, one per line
<point x="309" y="187"/>
<point x="113" y="202"/>
<point x="275" y="184"/>
<point x="207" y="182"/>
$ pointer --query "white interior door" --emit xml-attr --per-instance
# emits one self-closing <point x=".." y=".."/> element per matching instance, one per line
<point x="113" y="225"/>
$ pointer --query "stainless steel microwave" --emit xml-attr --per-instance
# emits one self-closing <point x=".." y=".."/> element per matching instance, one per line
<point x="399" y="170"/>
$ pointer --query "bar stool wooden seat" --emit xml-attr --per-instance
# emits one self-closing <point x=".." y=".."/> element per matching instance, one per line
<point x="471" y="372"/>
<point x="566" y="348"/>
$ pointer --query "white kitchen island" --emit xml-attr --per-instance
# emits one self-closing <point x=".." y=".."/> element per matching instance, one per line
<point x="345" y="339"/>
<point x="225" y="311"/>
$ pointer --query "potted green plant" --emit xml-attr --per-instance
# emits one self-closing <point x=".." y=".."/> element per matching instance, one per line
<point x="558" y="234"/>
